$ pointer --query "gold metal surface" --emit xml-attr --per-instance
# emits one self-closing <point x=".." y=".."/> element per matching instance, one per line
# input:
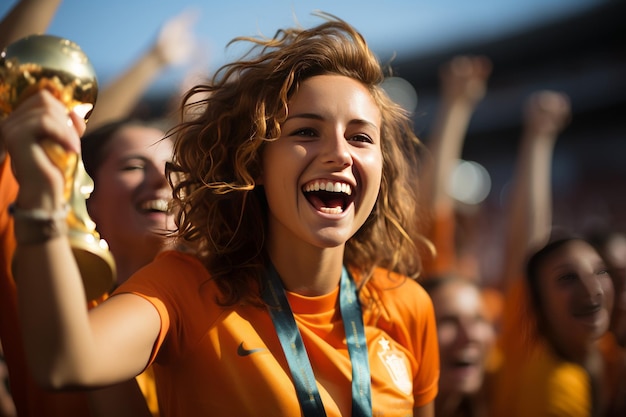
<point x="59" y="65"/>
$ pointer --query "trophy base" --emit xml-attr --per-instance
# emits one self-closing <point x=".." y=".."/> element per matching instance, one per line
<point x="96" y="264"/>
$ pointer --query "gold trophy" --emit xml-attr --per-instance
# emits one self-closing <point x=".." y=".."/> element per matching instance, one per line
<point x="59" y="65"/>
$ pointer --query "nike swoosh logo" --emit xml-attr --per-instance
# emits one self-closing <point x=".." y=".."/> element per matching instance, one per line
<point x="241" y="351"/>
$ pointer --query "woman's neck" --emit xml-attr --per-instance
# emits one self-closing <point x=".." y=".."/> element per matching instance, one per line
<point x="452" y="404"/>
<point x="307" y="270"/>
<point x="576" y="354"/>
<point x="129" y="260"/>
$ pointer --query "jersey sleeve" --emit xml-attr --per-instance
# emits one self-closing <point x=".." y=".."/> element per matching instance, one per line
<point x="568" y="393"/>
<point x="176" y="285"/>
<point x="403" y="309"/>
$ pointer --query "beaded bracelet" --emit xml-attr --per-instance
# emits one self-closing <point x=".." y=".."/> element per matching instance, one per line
<point x="35" y="226"/>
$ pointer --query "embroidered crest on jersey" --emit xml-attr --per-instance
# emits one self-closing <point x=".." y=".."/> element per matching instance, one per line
<point x="396" y="364"/>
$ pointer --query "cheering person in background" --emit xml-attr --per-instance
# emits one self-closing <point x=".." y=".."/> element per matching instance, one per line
<point x="172" y="46"/>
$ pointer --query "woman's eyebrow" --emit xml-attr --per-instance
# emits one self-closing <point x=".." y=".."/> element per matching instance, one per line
<point x="315" y="116"/>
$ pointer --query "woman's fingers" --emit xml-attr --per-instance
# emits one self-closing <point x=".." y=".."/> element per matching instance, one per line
<point x="41" y="137"/>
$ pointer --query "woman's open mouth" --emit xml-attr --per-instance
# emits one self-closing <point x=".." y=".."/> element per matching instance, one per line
<point x="154" y="206"/>
<point x="330" y="197"/>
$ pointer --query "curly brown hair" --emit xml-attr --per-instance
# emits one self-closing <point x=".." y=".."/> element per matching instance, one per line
<point x="221" y="211"/>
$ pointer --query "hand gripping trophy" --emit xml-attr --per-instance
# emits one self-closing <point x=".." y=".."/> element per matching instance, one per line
<point x="60" y="66"/>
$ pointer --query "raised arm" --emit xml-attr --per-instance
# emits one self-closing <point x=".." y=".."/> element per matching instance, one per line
<point x="463" y="84"/>
<point x="174" y="45"/>
<point x="65" y="344"/>
<point x="529" y="222"/>
<point x="27" y="17"/>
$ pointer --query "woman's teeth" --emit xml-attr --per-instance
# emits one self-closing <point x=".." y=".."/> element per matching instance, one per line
<point x="329" y="210"/>
<point x="159" y="205"/>
<point x="329" y="186"/>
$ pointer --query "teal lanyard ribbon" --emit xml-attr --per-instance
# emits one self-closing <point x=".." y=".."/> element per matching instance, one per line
<point x="295" y="352"/>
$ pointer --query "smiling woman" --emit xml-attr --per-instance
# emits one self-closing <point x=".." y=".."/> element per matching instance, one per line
<point x="556" y="367"/>
<point x="130" y="201"/>
<point x="290" y="300"/>
<point x="572" y="292"/>
<point x="466" y="338"/>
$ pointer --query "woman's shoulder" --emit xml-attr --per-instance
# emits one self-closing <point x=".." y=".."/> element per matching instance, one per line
<point x="542" y="384"/>
<point x="389" y="284"/>
<point x="393" y="295"/>
<point x="559" y="375"/>
<point x="175" y="260"/>
<point x="171" y="271"/>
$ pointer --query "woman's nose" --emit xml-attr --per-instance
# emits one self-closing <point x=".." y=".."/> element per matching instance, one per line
<point x="592" y="286"/>
<point x="337" y="150"/>
<point x="474" y="330"/>
<point x="464" y="334"/>
<point x="156" y="177"/>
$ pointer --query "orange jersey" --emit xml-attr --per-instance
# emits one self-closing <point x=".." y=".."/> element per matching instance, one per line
<point x="530" y="379"/>
<point x="614" y="357"/>
<point x="542" y="385"/>
<point x="227" y="361"/>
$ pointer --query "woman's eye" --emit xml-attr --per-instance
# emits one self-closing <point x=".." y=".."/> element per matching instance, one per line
<point x="568" y="277"/>
<point x="306" y="132"/>
<point x="132" y="167"/>
<point x="133" y="164"/>
<point x="362" y="138"/>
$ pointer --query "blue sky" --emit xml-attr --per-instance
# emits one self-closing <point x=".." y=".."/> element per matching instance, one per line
<point x="114" y="32"/>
